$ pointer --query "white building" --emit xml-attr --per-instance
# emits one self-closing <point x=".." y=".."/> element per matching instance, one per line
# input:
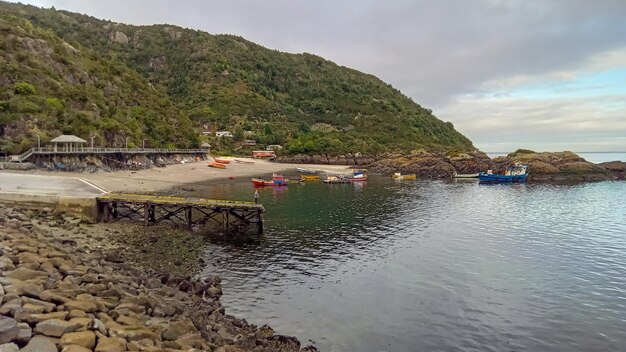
<point x="223" y="134"/>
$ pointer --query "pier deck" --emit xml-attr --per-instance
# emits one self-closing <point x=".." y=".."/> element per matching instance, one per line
<point x="232" y="216"/>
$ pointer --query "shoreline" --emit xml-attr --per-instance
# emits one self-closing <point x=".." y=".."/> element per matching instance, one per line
<point x="69" y="285"/>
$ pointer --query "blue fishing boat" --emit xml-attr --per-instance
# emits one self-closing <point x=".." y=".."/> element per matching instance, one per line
<point x="514" y="173"/>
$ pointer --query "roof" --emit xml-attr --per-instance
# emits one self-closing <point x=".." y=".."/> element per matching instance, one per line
<point x="68" y="138"/>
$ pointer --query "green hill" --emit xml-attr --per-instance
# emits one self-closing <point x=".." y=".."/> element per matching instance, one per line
<point x="62" y="72"/>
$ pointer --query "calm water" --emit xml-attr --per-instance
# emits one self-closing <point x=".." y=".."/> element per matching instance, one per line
<point x="434" y="266"/>
<point x="591" y="157"/>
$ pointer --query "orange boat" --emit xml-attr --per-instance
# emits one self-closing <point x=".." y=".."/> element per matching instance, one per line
<point x="222" y="160"/>
<point x="217" y="165"/>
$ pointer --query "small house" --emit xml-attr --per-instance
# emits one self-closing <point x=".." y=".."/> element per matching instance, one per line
<point x="223" y="134"/>
<point x="249" y="142"/>
<point x="274" y="147"/>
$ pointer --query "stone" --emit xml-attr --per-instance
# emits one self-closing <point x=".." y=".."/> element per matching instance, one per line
<point x="53" y="296"/>
<point x="85" y="339"/>
<point x="46" y="306"/>
<point x="178" y="329"/>
<point x="85" y="306"/>
<point x="9" y="307"/>
<point x="131" y="333"/>
<point x="9" y="347"/>
<point x="28" y="257"/>
<point x="6" y="264"/>
<point x="37" y="318"/>
<point x="25" y="274"/>
<point x="40" y="344"/>
<point x="111" y="344"/>
<point x="77" y="313"/>
<point x="8" y="329"/>
<point x="56" y="327"/>
<point x="24" y="335"/>
<point x="75" y="348"/>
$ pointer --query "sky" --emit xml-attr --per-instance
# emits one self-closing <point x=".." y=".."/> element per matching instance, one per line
<point x="546" y="75"/>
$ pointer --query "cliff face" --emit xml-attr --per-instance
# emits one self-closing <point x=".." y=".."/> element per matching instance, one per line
<point x="561" y="166"/>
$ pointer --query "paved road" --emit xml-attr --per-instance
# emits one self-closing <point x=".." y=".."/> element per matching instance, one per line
<point x="48" y="185"/>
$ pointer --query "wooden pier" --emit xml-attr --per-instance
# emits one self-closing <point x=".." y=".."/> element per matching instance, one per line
<point x="230" y="216"/>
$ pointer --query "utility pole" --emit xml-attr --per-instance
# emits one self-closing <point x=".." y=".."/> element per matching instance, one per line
<point x="92" y="137"/>
<point x="127" y="142"/>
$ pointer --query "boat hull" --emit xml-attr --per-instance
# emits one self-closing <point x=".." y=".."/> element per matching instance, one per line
<point x="263" y="183"/>
<point x="476" y="175"/>
<point x="499" y="178"/>
<point x="222" y="161"/>
<point x="306" y="171"/>
<point x="309" y="178"/>
<point x="217" y="165"/>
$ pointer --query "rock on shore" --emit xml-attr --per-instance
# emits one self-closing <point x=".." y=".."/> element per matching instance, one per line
<point x="56" y="296"/>
<point x="560" y="166"/>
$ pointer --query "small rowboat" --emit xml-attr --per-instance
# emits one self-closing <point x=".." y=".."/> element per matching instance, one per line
<point x="358" y="176"/>
<point x="309" y="177"/>
<point x="217" y="165"/>
<point x="239" y="161"/>
<point x="222" y="160"/>
<point x="465" y="175"/>
<point x="277" y="180"/>
<point x="399" y="176"/>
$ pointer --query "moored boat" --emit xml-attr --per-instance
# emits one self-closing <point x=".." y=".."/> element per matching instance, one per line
<point x="336" y="179"/>
<point x="309" y="177"/>
<point x="465" y="175"/>
<point x="239" y="161"/>
<point x="277" y="180"/>
<point x="517" y="172"/>
<point x="222" y="160"/>
<point x="358" y="176"/>
<point x="399" y="176"/>
<point x="217" y="165"/>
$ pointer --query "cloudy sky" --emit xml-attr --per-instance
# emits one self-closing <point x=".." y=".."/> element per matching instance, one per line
<point x="538" y="74"/>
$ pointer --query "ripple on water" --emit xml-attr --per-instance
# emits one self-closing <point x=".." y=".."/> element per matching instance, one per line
<point x="436" y="266"/>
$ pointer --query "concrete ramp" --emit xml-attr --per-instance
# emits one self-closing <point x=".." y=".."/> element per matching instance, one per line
<point x="65" y="194"/>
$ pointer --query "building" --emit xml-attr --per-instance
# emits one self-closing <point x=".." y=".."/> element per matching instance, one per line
<point x="68" y="143"/>
<point x="263" y="154"/>
<point x="223" y="134"/>
<point x="249" y="142"/>
<point x="274" y="147"/>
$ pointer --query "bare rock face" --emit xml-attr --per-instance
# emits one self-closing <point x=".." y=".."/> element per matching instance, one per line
<point x="118" y="37"/>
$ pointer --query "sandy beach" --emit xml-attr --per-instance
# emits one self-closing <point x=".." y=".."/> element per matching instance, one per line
<point x="171" y="177"/>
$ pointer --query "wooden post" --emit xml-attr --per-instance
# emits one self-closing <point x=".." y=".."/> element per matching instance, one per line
<point x="260" y="222"/>
<point x="146" y="210"/>
<point x="188" y="217"/>
<point x="106" y="212"/>
<point x="152" y="213"/>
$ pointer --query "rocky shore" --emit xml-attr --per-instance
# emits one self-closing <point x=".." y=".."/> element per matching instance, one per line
<point x="557" y="167"/>
<point x="58" y="294"/>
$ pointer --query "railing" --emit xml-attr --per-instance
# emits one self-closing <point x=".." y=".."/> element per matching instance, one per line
<point x="51" y="150"/>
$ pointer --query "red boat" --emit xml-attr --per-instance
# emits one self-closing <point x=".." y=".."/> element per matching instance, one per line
<point x="222" y="160"/>
<point x="358" y="176"/>
<point x="277" y="180"/>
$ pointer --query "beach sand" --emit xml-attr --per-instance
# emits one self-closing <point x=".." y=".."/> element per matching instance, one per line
<point x="168" y="179"/>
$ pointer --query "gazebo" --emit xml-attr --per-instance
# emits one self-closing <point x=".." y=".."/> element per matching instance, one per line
<point x="68" y="142"/>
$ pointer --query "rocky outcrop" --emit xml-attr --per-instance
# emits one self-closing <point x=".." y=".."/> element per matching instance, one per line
<point x="349" y="159"/>
<point x="118" y="37"/>
<point x="58" y="296"/>
<point x="561" y="166"/>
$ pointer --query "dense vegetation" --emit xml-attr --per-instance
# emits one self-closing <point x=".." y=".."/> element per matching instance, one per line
<point x="62" y="72"/>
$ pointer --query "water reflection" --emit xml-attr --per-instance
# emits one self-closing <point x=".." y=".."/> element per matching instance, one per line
<point x="402" y="266"/>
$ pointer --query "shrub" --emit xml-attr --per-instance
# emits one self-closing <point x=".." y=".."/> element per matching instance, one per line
<point x="24" y="88"/>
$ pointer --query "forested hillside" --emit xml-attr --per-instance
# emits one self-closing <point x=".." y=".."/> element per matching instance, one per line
<point x="62" y="72"/>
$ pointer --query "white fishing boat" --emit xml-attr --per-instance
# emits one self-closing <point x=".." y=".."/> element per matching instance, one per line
<point x="465" y="175"/>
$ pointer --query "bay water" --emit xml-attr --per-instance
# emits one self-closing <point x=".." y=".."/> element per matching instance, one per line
<point x="433" y="266"/>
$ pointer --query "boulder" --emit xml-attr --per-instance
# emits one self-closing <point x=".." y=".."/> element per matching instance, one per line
<point x="86" y="339"/>
<point x="55" y="327"/>
<point x="6" y="264"/>
<point x="40" y="344"/>
<point x="25" y="274"/>
<point x="132" y="333"/>
<point x="85" y="306"/>
<point x="8" y="329"/>
<point x="37" y="318"/>
<point x="24" y="335"/>
<point x="9" y="347"/>
<point x="178" y="329"/>
<point x="111" y="344"/>
<point x="75" y="348"/>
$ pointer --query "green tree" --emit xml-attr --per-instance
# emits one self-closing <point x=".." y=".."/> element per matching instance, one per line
<point x="238" y="135"/>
